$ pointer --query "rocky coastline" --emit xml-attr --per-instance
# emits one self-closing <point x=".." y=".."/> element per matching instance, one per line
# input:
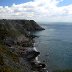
<point x="19" y="53"/>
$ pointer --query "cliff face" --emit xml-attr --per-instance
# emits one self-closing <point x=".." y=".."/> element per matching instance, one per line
<point x="15" y="40"/>
<point x="20" y="26"/>
<point x="29" y="25"/>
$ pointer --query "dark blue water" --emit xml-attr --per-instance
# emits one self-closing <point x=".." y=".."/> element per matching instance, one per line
<point x="55" y="46"/>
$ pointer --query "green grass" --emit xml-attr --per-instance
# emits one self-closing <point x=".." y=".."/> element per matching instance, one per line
<point x="6" y="68"/>
<point x="7" y="52"/>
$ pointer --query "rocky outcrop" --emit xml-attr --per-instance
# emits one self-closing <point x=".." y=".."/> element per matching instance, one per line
<point x="31" y="25"/>
<point x="16" y="46"/>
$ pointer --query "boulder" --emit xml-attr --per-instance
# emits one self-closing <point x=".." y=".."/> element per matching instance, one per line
<point x="32" y="55"/>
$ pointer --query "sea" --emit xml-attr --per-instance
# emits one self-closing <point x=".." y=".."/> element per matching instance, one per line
<point x="55" y="46"/>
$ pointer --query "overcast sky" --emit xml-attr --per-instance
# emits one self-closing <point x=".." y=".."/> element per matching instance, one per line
<point x="39" y="10"/>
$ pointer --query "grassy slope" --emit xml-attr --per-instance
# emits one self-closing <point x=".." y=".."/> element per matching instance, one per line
<point x="8" y="59"/>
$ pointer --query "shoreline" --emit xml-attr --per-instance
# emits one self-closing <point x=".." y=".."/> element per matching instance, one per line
<point x="37" y="61"/>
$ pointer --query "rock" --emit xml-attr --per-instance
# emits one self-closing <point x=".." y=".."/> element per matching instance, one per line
<point x="32" y="55"/>
<point x="28" y="53"/>
<point x="31" y="25"/>
<point x="27" y="44"/>
<point x="9" y="41"/>
<point x="42" y="65"/>
<point x="39" y="67"/>
<point x="36" y="26"/>
<point x="33" y="36"/>
<point x="22" y="38"/>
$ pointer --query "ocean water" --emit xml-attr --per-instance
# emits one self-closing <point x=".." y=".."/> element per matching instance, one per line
<point x="55" y="46"/>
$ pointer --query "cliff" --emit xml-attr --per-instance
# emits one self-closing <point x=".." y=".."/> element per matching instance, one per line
<point x="16" y="46"/>
<point x="17" y="27"/>
<point x="29" y="25"/>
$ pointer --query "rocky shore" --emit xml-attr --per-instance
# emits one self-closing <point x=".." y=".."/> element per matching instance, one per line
<point x="17" y="46"/>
